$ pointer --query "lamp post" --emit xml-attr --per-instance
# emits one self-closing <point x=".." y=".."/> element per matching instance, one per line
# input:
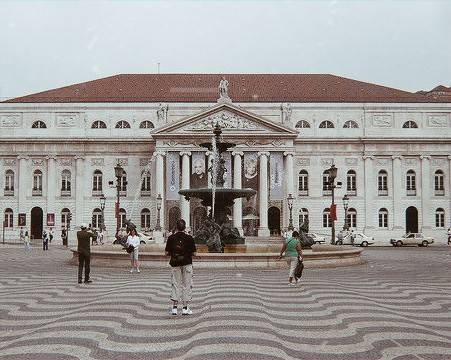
<point x="119" y="172"/>
<point x="345" y="206"/>
<point x="290" y="199"/>
<point x="159" y="202"/>
<point x="102" y="208"/>
<point x="332" y="176"/>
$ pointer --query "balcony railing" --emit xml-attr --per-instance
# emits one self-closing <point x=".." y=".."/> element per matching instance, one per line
<point x="440" y="192"/>
<point x="36" y="192"/>
<point x="303" y="192"/>
<point x="327" y="192"/>
<point x="97" y="192"/>
<point x="65" y="193"/>
<point x="381" y="192"/>
<point x="351" y="192"/>
<point x="123" y="193"/>
<point x="8" y="192"/>
<point x="145" y="193"/>
<point x="411" y="192"/>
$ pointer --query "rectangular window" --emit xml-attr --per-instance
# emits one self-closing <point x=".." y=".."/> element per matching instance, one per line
<point x="326" y="220"/>
<point x="440" y="219"/>
<point x="383" y="220"/>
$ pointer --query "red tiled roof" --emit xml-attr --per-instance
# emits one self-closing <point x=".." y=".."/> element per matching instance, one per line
<point x="242" y="88"/>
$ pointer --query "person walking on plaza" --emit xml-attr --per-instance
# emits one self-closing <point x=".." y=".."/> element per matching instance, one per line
<point x="133" y="240"/>
<point x="181" y="248"/>
<point x="26" y="240"/>
<point x="45" y="241"/>
<point x="50" y="235"/>
<point x="21" y="235"/>
<point x="84" y="253"/>
<point x="449" y="236"/>
<point x="64" y="236"/>
<point x="293" y="251"/>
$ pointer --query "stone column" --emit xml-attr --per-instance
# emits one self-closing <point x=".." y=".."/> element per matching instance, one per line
<point x="426" y="216"/>
<point x="52" y="184"/>
<point x="160" y="189"/>
<point x="289" y="173"/>
<point x="79" y="191"/>
<point x="185" y="204"/>
<point x="24" y="184"/>
<point x="238" y="203"/>
<point x="370" y="189"/>
<point x="448" y="191"/>
<point x="263" y="194"/>
<point x="397" y="189"/>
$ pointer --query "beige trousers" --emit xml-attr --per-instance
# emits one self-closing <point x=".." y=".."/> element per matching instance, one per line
<point x="182" y="283"/>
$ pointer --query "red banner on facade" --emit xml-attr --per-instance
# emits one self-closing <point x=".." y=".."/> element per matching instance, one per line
<point x="116" y="209"/>
<point x="22" y="219"/>
<point x="50" y="219"/>
<point x="333" y="212"/>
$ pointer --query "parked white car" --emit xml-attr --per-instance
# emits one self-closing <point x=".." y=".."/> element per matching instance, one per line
<point x="412" y="239"/>
<point x="360" y="239"/>
<point x="317" y="239"/>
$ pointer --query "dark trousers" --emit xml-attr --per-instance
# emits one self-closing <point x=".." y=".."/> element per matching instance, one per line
<point x="45" y="245"/>
<point x="84" y="261"/>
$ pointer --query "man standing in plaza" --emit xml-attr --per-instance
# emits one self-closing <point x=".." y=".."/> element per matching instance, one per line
<point x="84" y="253"/>
<point x="181" y="248"/>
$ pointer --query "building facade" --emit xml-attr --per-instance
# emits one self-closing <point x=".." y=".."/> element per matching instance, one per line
<point x="58" y="150"/>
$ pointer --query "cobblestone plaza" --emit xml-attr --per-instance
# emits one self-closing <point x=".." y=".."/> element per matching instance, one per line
<point x="395" y="306"/>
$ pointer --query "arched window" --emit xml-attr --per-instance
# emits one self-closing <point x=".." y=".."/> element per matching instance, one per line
<point x="410" y="125"/>
<point x="350" y="124"/>
<point x="440" y="218"/>
<point x="123" y="184"/>
<point x="9" y="218"/>
<point x="303" y="182"/>
<point x="351" y="182"/>
<point x="145" y="219"/>
<point x="146" y="125"/>
<point x="326" y="184"/>
<point x="65" y="183"/>
<point x="327" y="222"/>
<point x="97" y="180"/>
<point x="145" y="183"/>
<point x="302" y="124"/>
<point x="326" y="124"/>
<point x="39" y="125"/>
<point x="383" y="218"/>
<point x="96" y="218"/>
<point x="65" y="218"/>
<point x="37" y="183"/>
<point x="122" y="217"/>
<point x="351" y="218"/>
<point x="382" y="183"/>
<point x="303" y="217"/>
<point x="122" y="125"/>
<point x="98" y="124"/>
<point x="439" y="183"/>
<point x="411" y="185"/>
<point x="9" y="183"/>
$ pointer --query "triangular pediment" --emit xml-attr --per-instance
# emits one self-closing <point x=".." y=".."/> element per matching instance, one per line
<point x="232" y="119"/>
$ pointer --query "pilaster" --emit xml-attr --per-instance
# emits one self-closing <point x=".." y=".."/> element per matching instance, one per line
<point x="397" y="188"/>
<point x="238" y="203"/>
<point x="185" y="204"/>
<point x="263" y="194"/>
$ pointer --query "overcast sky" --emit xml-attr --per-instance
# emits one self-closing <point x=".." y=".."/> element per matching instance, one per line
<point x="48" y="44"/>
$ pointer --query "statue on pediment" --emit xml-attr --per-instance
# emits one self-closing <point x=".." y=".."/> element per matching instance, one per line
<point x="223" y="88"/>
<point x="286" y="112"/>
<point x="162" y="112"/>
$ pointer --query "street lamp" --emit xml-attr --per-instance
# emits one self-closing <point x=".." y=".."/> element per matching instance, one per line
<point x="119" y="172"/>
<point x="102" y="208"/>
<point x="159" y="202"/>
<point x="345" y="206"/>
<point x="290" y="199"/>
<point x="333" y="212"/>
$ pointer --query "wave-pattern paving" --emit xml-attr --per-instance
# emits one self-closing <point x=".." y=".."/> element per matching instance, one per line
<point x="396" y="306"/>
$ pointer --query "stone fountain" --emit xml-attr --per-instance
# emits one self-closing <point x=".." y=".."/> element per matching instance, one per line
<point x="216" y="230"/>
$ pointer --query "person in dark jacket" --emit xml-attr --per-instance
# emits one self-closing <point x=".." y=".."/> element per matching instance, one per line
<point x="84" y="253"/>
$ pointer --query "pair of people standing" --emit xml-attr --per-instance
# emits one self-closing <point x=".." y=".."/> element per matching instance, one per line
<point x="45" y="240"/>
<point x="293" y="252"/>
<point x="134" y="240"/>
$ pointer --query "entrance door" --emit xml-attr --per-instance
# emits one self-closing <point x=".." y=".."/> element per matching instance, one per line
<point x="174" y="215"/>
<point x="274" y="221"/>
<point x="411" y="219"/>
<point x="37" y="222"/>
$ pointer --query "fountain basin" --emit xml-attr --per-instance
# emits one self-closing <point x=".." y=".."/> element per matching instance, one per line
<point x="253" y="257"/>
<point x="222" y="195"/>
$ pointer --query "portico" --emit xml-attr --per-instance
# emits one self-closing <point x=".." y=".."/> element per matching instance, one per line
<point x="255" y="138"/>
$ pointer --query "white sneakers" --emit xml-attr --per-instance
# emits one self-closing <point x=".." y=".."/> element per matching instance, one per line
<point x="186" y="311"/>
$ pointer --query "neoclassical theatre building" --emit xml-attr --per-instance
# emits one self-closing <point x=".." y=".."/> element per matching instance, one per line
<point x="392" y="148"/>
